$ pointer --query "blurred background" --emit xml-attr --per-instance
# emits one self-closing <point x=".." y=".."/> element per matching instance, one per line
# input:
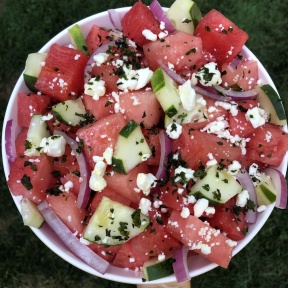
<point x="25" y="26"/>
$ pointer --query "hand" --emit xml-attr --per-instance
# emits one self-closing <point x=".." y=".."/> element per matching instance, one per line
<point x="186" y="284"/>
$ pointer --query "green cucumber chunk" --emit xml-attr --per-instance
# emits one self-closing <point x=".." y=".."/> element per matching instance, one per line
<point x="30" y="214"/>
<point x="197" y="115"/>
<point x="38" y="129"/>
<point x="265" y="191"/>
<point x="270" y="101"/>
<point x="166" y="92"/>
<point x="154" y="269"/>
<point x="114" y="223"/>
<point x="32" y="69"/>
<point x="218" y="186"/>
<point x="184" y="15"/>
<point x="77" y="38"/>
<point x="130" y="148"/>
<point x="70" y="111"/>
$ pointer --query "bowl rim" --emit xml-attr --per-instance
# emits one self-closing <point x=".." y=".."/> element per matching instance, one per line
<point x="53" y="242"/>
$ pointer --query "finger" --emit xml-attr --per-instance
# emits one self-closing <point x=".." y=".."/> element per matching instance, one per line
<point x="186" y="284"/>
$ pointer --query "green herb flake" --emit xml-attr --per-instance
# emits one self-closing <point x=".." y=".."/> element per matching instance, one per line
<point x="26" y="182"/>
<point x="136" y="218"/>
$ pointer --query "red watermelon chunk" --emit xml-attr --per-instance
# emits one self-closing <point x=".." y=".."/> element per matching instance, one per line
<point x="220" y="36"/>
<point x="100" y="135"/>
<point x="180" y="49"/>
<point x="128" y="256"/>
<point x="245" y="76"/>
<point x="106" y="252"/>
<point x="268" y="145"/>
<point x="125" y="184"/>
<point x="64" y="205"/>
<point x="201" y="238"/>
<point x="194" y="147"/>
<point x="110" y="193"/>
<point x="137" y="19"/>
<point x="20" y="141"/>
<point x="100" y="108"/>
<point x="62" y="76"/>
<point x="30" y="177"/>
<point x="142" y="106"/>
<point x="96" y="37"/>
<point x="30" y="104"/>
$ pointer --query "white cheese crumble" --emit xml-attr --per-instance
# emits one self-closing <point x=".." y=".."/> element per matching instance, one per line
<point x="187" y="95"/>
<point x="234" y="168"/>
<point x="185" y="213"/>
<point x="254" y="116"/>
<point x="95" y="87"/>
<point x="99" y="168"/>
<point x="254" y="173"/>
<point x="149" y="35"/>
<point x="53" y="146"/>
<point x="107" y="154"/>
<point x="100" y="58"/>
<point x="208" y="75"/>
<point x="145" y="182"/>
<point x="145" y="205"/>
<point x="47" y="117"/>
<point x="97" y="182"/>
<point x="184" y="174"/>
<point x="68" y="185"/>
<point x="134" y="79"/>
<point x="161" y="257"/>
<point x="174" y="130"/>
<point x="231" y="243"/>
<point x="200" y="206"/>
<point x="242" y="198"/>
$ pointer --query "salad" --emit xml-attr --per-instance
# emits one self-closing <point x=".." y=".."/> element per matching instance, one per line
<point x="168" y="146"/>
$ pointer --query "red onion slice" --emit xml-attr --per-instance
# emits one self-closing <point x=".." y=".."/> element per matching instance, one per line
<point x="246" y="182"/>
<point x="115" y="19"/>
<point x="84" y="190"/>
<point x="10" y="142"/>
<point x="71" y="241"/>
<point x="238" y="95"/>
<point x="171" y="73"/>
<point x="180" y="266"/>
<point x="161" y="16"/>
<point x="236" y="62"/>
<point x="280" y="185"/>
<point x="166" y="146"/>
<point x="211" y="92"/>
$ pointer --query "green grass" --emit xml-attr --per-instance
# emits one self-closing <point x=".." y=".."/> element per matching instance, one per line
<point x="26" y="26"/>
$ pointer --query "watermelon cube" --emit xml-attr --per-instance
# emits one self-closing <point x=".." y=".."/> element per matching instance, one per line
<point x="62" y="77"/>
<point x="220" y="36"/>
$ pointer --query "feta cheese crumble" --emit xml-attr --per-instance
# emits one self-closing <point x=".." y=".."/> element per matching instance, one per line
<point x="174" y="130"/>
<point x="207" y="75"/>
<point x="53" y="146"/>
<point x="187" y="95"/>
<point x="95" y="87"/>
<point x="145" y="182"/>
<point x="254" y="116"/>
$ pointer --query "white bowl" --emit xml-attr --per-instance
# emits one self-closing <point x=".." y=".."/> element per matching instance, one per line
<point x="197" y="264"/>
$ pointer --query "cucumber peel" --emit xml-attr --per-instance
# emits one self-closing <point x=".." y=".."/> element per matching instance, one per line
<point x="154" y="269"/>
<point x="77" y="38"/>
<point x="32" y="69"/>
<point x="184" y="15"/>
<point x="166" y="92"/>
<point x="272" y="104"/>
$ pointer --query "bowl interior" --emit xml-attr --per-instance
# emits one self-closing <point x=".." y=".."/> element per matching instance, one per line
<point x="197" y="264"/>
